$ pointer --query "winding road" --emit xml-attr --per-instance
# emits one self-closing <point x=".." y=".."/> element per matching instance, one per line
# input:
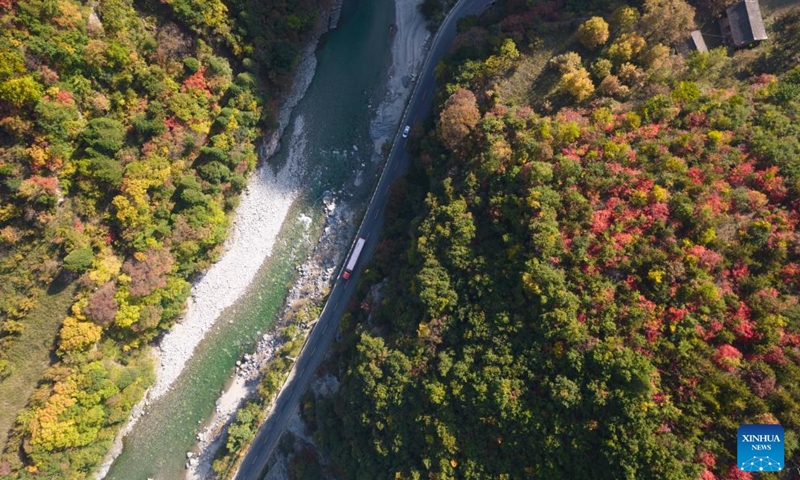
<point x="254" y="464"/>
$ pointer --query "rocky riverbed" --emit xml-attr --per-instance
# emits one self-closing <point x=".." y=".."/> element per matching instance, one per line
<point x="264" y="205"/>
<point x="409" y="38"/>
<point x="315" y="277"/>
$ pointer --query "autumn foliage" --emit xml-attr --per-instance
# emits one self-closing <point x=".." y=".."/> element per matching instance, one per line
<point x="126" y="134"/>
<point x="148" y="272"/>
<point x="102" y="306"/>
<point x="593" y="32"/>
<point x="612" y="286"/>
<point x="458" y="117"/>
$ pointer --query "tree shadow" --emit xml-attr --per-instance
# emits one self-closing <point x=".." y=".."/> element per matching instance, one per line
<point x="60" y="282"/>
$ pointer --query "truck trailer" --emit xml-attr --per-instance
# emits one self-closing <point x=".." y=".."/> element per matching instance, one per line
<point x="351" y="262"/>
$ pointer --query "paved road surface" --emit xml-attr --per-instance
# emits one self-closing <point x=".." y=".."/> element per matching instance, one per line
<point x="254" y="464"/>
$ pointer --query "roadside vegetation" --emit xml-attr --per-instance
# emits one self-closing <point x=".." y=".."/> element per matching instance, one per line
<point x="594" y="267"/>
<point x="273" y="375"/>
<point x="126" y="134"/>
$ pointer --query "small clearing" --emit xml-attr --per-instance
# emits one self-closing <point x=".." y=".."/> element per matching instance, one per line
<point x="29" y="355"/>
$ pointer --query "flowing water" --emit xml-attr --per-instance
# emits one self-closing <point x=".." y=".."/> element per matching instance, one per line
<point x="334" y="119"/>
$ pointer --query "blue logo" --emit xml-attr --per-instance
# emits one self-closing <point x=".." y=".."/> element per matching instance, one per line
<point x="760" y="448"/>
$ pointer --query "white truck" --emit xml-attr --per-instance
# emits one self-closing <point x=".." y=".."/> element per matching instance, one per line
<point x="351" y="262"/>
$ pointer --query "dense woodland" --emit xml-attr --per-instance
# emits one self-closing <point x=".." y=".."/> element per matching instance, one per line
<point x="127" y="130"/>
<point x="595" y="277"/>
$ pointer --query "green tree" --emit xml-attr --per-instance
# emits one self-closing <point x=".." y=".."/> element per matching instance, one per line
<point x="107" y="172"/>
<point x="239" y="434"/>
<point x="11" y="64"/>
<point x="434" y="289"/>
<point x="601" y="68"/>
<point x="78" y="260"/>
<point x="104" y="136"/>
<point x="59" y="121"/>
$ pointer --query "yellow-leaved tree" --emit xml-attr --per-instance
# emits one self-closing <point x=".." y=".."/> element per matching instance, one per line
<point x="76" y="335"/>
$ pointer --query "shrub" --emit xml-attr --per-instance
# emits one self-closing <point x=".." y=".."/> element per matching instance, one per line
<point x="566" y="62"/>
<point x="601" y="68"/>
<point x="631" y="75"/>
<point x="611" y="86"/>
<point x="5" y="370"/>
<point x="78" y="260"/>
<point x="11" y="328"/>
<point x="191" y="65"/>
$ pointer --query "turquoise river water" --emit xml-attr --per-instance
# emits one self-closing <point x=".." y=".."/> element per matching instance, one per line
<point x="351" y="71"/>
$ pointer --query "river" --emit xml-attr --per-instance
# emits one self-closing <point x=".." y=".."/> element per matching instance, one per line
<point x="330" y="136"/>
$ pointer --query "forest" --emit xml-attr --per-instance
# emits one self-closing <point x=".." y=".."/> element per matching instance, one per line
<point x="127" y="131"/>
<point x="592" y="273"/>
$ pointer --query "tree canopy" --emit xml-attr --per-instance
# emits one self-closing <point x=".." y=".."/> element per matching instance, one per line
<point x="593" y="32"/>
<point x="612" y="285"/>
<point x="127" y="132"/>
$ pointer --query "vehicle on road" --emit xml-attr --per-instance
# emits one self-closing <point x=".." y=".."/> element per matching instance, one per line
<point x="351" y="262"/>
<point x="254" y="464"/>
<point x="406" y="130"/>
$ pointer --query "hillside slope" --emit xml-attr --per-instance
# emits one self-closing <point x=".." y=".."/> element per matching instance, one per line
<point x="603" y="284"/>
<point x="127" y="131"/>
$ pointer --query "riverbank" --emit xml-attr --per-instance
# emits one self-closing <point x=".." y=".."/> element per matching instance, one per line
<point x="409" y="40"/>
<point x="315" y="276"/>
<point x="409" y="36"/>
<point x="258" y="219"/>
